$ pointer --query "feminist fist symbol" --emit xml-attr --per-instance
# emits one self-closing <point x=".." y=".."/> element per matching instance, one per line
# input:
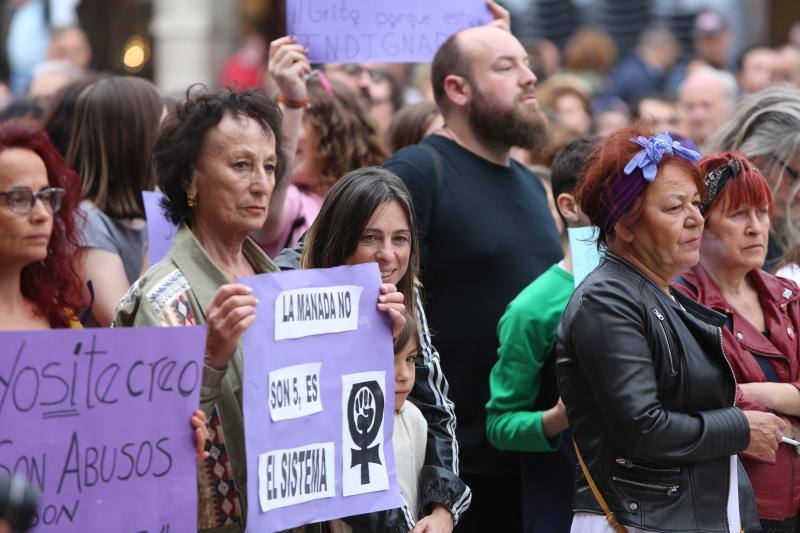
<point x="364" y="417"/>
<point x="364" y="410"/>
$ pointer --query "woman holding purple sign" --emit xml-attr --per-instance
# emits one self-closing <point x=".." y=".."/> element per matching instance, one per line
<point x="39" y="285"/>
<point x="219" y="156"/>
<point x="366" y="217"/>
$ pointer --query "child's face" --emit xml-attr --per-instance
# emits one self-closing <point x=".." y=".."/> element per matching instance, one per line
<point x="404" y="372"/>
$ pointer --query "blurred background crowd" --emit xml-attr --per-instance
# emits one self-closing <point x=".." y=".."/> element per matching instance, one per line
<point x="600" y="63"/>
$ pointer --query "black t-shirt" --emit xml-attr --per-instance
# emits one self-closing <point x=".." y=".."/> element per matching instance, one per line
<point x="486" y="232"/>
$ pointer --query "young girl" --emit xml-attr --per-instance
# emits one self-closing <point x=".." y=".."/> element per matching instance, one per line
<point x="410" y="428"/>
<point x="408" y="440"/>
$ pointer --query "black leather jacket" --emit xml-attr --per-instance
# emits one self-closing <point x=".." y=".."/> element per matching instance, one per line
<point x="439" y="481"/>
<point x="649" y="396"/>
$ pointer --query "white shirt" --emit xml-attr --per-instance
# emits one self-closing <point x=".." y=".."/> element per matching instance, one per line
<point x="409" y="441"/>
<point x="791" y="272"/>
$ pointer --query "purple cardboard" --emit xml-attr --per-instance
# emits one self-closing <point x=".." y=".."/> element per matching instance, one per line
<point x="352" y="31"/>
<point x="159" y="230"/>
<point x="98" y="421"/>
<point x="339" y="383"/>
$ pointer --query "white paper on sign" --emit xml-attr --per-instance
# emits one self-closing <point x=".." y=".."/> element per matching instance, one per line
<point x="294" y="391"/>
<point x="315" y="311"/>
<point x="583" y="246"/>
<point x="363" y="458"/>
<point x="296" y="475"/>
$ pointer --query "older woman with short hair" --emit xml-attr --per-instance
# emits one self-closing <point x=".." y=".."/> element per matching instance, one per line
<point x="766" y="128"/>
<point x="219" y="156"/>
<point x="762" y="320"/>
<point x="649" y="394"/>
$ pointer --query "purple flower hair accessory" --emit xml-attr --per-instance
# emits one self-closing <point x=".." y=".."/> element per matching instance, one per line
<point x="655" y="148"/>
<point x="640" y="170"/>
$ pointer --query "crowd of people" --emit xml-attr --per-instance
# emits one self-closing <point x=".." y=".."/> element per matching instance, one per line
<point x="656" y="394"/>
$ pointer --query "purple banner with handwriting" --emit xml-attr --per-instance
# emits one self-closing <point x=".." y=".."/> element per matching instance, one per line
<point x="352" y="31"/>
<point x="159" y="230"/>
<point x="98" y="421"/>
<point x="318" y="398"/>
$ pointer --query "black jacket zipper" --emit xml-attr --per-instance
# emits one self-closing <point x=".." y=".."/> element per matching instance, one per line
<point x="671" y="490"/>
<point x="627" y="463"/>
<point x="660" y="318"/>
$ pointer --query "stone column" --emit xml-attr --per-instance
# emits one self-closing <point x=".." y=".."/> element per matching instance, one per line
<point x="191" y="39"/>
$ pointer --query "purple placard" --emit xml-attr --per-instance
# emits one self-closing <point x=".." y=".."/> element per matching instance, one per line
<point x="351" y="31"/>
<point x="159" y="230"/>
<point x="98" y="421"/>
<point x="318" y="366"/>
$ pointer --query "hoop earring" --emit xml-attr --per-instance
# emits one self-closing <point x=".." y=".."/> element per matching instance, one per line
<point x="191" y="200"/>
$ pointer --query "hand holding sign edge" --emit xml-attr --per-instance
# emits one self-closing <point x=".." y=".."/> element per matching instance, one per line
<point x="391" y="301"/>
<point x="230" y="313"/>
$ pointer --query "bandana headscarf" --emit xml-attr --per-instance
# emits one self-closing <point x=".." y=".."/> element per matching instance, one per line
<point x="716" y="180"/>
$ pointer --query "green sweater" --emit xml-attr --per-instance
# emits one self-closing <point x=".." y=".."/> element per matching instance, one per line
<point x="527" y="335"/>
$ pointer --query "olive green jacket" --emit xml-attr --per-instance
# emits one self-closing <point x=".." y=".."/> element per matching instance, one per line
<point x="176" y="292"/>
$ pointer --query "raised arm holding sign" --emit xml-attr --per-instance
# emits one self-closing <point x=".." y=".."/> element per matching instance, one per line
<point x="351" y="31"/>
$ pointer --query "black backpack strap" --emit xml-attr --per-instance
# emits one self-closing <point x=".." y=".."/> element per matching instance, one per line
<point x="438" y="169"/>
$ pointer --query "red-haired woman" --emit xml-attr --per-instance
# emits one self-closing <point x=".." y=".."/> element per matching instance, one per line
<point x="39" y="196"/>
<point x="762" y="320"/>
<point x="649" y="394"/>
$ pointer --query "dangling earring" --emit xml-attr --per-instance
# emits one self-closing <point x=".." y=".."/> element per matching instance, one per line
<point x="191" y="200"/>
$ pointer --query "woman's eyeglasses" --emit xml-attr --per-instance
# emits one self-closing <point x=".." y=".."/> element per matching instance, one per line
<point x="793" y="172"/>
<point x="20" y="200"/>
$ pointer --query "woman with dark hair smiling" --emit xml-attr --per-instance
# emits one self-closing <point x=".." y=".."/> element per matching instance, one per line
<point x="641" y="368"/>
<point x="762" y="320"/>
<point x="367" y="216"/>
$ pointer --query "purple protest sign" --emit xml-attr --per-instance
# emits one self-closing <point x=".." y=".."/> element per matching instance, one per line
<point x="318" y="398"/>
<point x="159" y="230"/>
<point x="98" y="421"/>
<point x="351" y="31"/>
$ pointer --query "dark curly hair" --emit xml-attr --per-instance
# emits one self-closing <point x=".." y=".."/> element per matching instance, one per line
<point x="180" y="139"/>
<point x="52" y="284"/>
<point x="347" y="137"/>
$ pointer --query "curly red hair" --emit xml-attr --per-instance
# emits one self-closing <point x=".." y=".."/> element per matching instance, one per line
<point x="53" y="284"/>
<point x="748" y="189"/>
<point x="607" y="161"/>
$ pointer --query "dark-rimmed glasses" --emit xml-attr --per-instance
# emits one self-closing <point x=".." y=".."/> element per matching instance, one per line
<point x="20" y="200"/>
<point x="355" y="70"/>
<point x="793" y="172"/>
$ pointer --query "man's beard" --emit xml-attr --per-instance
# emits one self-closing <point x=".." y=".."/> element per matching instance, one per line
<point x="503" y="128"/>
